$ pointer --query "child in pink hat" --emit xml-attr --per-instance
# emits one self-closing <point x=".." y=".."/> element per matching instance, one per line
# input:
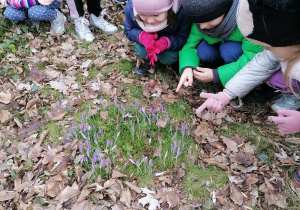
<point x="159" y="29"/>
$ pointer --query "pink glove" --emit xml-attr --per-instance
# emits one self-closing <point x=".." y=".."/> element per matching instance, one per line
<point x="288" y="121"/>
<point x="162" y="44"/>
<point x="214" y="102"/>
<point x="148" y="40"/>
<point x="153" y="56"/>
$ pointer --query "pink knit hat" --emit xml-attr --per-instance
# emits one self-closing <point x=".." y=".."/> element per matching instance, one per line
<point x="152" y="7"/>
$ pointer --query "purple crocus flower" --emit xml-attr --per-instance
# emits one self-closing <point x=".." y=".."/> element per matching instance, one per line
<point x="178" y="152"/>
<point x="74" y="160"/>
<point x="131" y="161"/>
<point x="117" y="127"/>
<point x="130" y="122"/>
<point x="166" y="154"/>
<point x="118" y="134"/>
<point x="93" y="167"/>
<point x="80" y="147"/>
<point x="159" y="153"/>
<point x="137" y="119"/>
<point x="171" y="127"/>
<point x="175" y="135"/>
<point x="136" y="103"/>
<point x="126" y="164"/>
<point x="166" y="117"/>
<point x="179" y="142"/>
<point x="73" y="126"/>
<point x="114" y="147"/>
<point x="144" y="120"/>
<point x="132" y="127"/>
<point x="183" y="144"/>
<point x="150" y="163"/>
<point x="158" y="136"/>
<point x="188" y="133"/>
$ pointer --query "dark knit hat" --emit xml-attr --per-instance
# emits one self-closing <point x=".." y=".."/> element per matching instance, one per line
<point x="274" y="22"/>
<point x="200" y="11"/>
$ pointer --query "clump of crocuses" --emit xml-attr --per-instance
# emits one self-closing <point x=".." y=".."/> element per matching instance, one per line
<point x="116" y="134"/>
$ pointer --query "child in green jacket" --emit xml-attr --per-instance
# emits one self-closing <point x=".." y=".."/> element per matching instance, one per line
<point x="215" y="41"/>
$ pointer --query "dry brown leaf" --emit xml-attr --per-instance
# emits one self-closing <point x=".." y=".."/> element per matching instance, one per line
<point x="171" y="197"/>
<point x="278" y="199"/>
<point x="125" y="197"/>
<point x="7" y="195"/>
<point x="127" y="80"/>
<point x="31" y="103"/>
<point x="166" y="179"/>
<point x="104" y="115"/>
<point x="230" y="144"/>
<point x="6" y="97"/>
<point x="2" y="155"/>
<point x="236" y="195"/>
<point x="117" y="174"/>
<point x="4" y="115"/>
<point x="161" y="123"/>
<point x="133" y="187"/>
<point x="69" y="192"/>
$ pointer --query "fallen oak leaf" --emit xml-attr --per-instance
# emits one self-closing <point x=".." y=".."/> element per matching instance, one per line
<point x="133" y="187"/>
<point x="117" y="174"/>
<point x="7" y="195"/>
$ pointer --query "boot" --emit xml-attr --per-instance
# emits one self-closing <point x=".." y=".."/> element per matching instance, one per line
<point x="143" y="69"/>
<point x="101" y="23"/>
<point x="82" y="29"/>
<point x="58" y="25"/>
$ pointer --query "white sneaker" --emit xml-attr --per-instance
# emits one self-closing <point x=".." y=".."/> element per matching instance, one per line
<point x="82" y="29"/>
<point x="101" y="23"/>
<point x="290" y="102"/>
<point x="58" y="25"/>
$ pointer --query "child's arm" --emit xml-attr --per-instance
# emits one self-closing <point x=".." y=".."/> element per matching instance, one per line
<point x="22" y="3"/>
<point x="130" y="29"/>
<point x="188" y="55"/>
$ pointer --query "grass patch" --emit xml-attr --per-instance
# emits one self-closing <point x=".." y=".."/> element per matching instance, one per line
<point x="55" y="131"/>
<point x="129" y="136"/>
<point x="197" y="179"/>
<point x="51" y="92"/>
<point x="180" y="110"/>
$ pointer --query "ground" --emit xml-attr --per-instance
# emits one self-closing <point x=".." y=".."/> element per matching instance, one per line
<point x="80" y="131"/>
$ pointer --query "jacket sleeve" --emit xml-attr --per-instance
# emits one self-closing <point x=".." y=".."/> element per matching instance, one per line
<point x="130" y="29"/>
<point x="179" y="39"/>
<point x="261" y="67"/>
<point x="188" y="55"/>
<point x="227" y="71"/>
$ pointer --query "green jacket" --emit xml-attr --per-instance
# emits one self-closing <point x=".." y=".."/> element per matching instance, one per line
<point x="188" y="55"/>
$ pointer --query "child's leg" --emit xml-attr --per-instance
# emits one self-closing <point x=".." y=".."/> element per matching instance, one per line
<point x="44" y="13"/>
<point x="14" y="14"/>
<point x="231" y="51"/>
<point x="76" y="8"/>
<point x="208" y="53"/>
<point x="168" y="57"/>
<point x="276" y="81"/>
<point x="94" y="7"/>
<point x="140" y="50"/>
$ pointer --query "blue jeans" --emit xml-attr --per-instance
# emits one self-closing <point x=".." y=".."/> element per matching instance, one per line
<point x="167" y="57"/>
<point x="36" y="12"/>
<point x="228" y="51"/>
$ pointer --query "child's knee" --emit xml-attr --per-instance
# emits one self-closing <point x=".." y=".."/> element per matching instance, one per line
<point x="231" y="51"/>
<point x="140" y="50"/>
<point x="207" y="52"/>
<point x="168" y="57"/>
<point x="14" y="14"/>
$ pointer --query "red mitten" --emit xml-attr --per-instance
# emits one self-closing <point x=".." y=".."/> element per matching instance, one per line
<point x="148" y="40"/>
<point x="162" y="44"/>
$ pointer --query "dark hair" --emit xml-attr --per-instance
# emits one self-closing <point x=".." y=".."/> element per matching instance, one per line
<point x="171" y="18"/>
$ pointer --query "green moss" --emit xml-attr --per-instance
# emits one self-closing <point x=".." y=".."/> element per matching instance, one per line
<point x="49" y="91"/>
<point x="196" y="179"/>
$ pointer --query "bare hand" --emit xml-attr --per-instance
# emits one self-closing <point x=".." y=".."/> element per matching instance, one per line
<point x="186" y="79"/>
<point x="204" y="74"/>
